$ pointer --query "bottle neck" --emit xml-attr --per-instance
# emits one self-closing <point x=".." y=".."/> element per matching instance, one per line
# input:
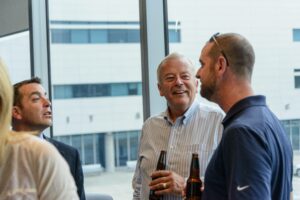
<point x="161" y="164"/>
<point x="194" y="169"/>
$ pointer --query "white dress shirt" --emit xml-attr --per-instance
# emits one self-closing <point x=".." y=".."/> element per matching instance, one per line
<point x="199" y="131"/>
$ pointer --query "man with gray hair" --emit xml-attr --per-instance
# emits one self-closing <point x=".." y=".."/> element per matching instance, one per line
<point x="185" y="127"/>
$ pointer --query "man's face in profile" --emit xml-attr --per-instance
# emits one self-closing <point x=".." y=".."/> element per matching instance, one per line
<point x="35" y="108"/>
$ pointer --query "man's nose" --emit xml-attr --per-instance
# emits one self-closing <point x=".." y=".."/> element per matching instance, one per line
<point x="47" y="102"/>
<point x="198" y="73"/>
<point x="179" y="81"/>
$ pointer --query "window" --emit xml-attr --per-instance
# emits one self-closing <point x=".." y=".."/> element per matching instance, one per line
<point x="96" y="90"/>
<point x="98" y="36"/>
<point x="110" y="34"/>
<point x="297" y="81"/>
<point x="15" y="52"/>
<point x="79" y="36"/>
<point x="96" y="79"/>
<point x="297" y="78"/>
<point x="292" y="128"/>
<point x="296" y="35"/>
<point x="276" y="54"/>
<point x="61" y="36"/>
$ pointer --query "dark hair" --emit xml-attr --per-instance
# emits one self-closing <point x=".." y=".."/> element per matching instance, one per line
<point x="17" y="95"/>
<point x="239" y="52"/>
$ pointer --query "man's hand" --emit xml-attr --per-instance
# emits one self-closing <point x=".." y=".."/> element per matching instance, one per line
<point x="167" y="182"/>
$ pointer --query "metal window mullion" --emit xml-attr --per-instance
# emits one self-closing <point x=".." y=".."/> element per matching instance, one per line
<point x="154" y="47"/>
<point x="39" y="45"/>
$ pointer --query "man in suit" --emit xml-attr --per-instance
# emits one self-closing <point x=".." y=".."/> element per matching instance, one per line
<point x="32" y="112"/>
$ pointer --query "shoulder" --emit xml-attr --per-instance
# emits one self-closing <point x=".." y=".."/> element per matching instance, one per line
<point x="34" y="147"/>
<point x="31" y="143"/>
<point x="212" y="109"/>
<point x="61" y="146"/>
<point x="155" y="120"/>
<point x="204" y="111"/>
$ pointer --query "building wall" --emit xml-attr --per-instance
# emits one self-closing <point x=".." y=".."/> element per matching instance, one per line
<point x="269" y="27"/>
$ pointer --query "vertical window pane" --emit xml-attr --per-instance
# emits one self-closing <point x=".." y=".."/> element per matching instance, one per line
<point x="76" y="142"/>
<point x="297" y="81"/>
<point x="122" y="148"/>
<point x="134" y="140"/>
<point x="296" y="35"/>
<point x="95" y="53"/>
<point x="295" y="138"/>
<point x="15" y="53"/>
<point x="88" y="149"/>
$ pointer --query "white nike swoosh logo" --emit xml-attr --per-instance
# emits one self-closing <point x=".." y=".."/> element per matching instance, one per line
<point x="239" y="188"/>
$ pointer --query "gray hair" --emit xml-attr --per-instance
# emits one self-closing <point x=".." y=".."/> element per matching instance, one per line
<point x="174" y="55"/>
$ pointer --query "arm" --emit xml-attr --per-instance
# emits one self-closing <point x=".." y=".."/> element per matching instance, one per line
<point x="247" y="165"/>
<point x="137" y="182"/>
<point x="137" y="179"/>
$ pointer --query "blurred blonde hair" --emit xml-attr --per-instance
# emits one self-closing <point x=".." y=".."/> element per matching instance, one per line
<point x="6" y="100"/>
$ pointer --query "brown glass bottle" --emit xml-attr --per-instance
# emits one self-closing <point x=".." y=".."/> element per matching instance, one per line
<point x="194" y="183"/>
<point x="161" y="165"/>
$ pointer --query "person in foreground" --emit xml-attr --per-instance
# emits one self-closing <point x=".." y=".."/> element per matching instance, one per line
<point x="254" y="157"/>
<point x="185" y="127"/>
<point x="32" y="112"/>
<point x="29" y="167"/>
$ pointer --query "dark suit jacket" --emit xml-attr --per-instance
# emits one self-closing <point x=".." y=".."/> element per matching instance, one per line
<point x="71" y="155"/>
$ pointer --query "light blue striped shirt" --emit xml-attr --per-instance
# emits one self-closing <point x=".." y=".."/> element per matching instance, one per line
<point x="199" y="131"/>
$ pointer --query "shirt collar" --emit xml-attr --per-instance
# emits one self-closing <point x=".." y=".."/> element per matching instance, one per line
<point x="258" y="100"/>
<point x="41" y="136"/>
<point x="186" y="116"/>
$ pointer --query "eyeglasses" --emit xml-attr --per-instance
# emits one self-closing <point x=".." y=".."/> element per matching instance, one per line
<point x="214" y="39"/>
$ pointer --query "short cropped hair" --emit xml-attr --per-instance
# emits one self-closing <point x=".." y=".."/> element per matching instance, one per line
<point x="17" y="94"/>
<point x="239" y="52"/>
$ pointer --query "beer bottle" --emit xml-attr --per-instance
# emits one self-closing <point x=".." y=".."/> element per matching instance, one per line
<point x="161" y="165"/>
<point x="194" y="183"/>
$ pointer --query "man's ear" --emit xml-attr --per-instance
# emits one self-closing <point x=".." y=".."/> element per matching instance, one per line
<point x="16" y="112"/>
<point x="159" y="89"/>
<point x="221" y="65"/>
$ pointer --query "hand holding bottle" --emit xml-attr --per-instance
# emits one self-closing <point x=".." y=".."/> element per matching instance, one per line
<point x="167" y="182"/>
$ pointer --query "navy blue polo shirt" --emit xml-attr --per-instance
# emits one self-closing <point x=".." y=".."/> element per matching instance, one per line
<point x="254" y="157"/>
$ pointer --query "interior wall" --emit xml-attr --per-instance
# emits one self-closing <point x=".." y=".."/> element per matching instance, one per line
<point x="13" y="16"/>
